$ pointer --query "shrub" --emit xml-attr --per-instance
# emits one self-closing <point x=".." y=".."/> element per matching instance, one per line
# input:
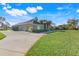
<point x="38" y="31"/>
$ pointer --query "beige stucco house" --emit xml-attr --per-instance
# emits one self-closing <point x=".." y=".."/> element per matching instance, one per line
<point x="31" y="25"/>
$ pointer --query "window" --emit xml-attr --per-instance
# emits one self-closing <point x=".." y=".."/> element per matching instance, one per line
<point x="38" y="27"/>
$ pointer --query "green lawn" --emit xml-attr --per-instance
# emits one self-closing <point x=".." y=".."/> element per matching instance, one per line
<point x="1" y="35"/>
<point x="65" y="43"/>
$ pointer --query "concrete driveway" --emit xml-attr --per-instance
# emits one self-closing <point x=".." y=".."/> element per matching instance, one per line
<point x="17" y="43"/>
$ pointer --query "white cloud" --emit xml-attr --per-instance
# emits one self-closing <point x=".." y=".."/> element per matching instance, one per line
<point x="39" y="8"/>
<point x="66" y="7"/>
<point x="16" y="12"/>
<point x="8" y="6"/>
<point x="4" y="8"/>
<point x="13" y="11"/>
<point x="3" y="4"/>
<point x="59" y="8"/>
<point x="31" y="9"/>
<point x="77" y="10"/>
<point x="34" y="9"/>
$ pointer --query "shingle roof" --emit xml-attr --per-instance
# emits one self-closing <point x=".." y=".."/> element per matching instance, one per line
<point x="27" y="22"/>
<point x="32" y="21"/>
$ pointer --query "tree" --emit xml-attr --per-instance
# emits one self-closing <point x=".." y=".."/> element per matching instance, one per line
<point x="51" y="25"/>
<point x="60" y="27"/>
<point x="72" y="23"/>
<point x="47" y="24"/>
<point x="35" y="20"/>
<point x="64" y="26"/>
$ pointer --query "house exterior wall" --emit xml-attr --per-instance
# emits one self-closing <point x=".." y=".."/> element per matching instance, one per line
<point x="38" y="27"/>
<point x="30" y="27"/>
<point x="22" y="28"/>
<point x="25" y="27"/>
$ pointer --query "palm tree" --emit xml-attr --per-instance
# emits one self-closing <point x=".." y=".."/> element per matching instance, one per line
<point x="44" y="22"/>
<point x="35" y="20"/>
<point x="47" y="24"/>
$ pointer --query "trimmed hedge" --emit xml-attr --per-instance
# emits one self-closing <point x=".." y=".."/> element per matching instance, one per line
<point x="39" y="31"/>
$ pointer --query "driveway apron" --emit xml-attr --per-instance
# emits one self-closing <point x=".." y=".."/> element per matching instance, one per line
<point x="17" y="43"/>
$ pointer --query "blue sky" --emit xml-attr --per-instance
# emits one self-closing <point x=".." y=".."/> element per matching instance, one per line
<point x="58" y="13"/>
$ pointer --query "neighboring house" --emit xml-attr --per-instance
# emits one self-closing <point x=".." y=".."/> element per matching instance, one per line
<point x="3" y="24"/>
<point x="32" y="25"/>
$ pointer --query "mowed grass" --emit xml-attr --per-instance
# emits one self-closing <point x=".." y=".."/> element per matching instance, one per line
<point x="63" y="43"/>
<point x="2" y="36"/>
